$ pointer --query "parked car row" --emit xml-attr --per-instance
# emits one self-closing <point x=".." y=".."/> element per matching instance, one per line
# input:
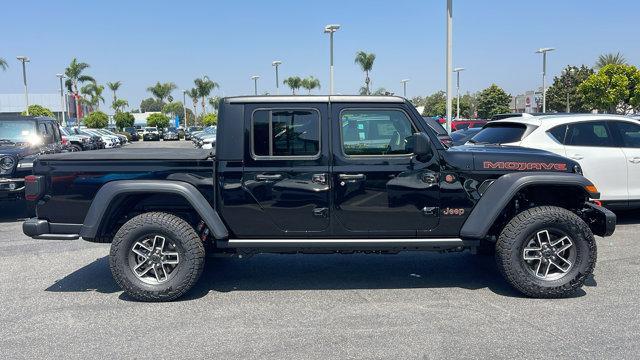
<point x="205" y="139"/>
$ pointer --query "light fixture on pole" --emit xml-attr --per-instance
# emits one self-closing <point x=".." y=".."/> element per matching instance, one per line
<point x="63" y="101"/>
<point x="25" y="60"/>
<point x="184" y="107"/>
<point x="275" y="64"/>
<point x="404" y="86"/>
<point x="330" y="29"/>
<point x="449" y="60"/>
<point x="544" y="52"/>
<point x="457" y="71"/>
<point x="567" y="82"/>
<point x="255" y="84"/>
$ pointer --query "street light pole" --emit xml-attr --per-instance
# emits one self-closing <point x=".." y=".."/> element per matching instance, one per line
<point x="457" y="71"/>
<point x="404" y="86"/>
<point x="330" y="29"/>
<point x="184" y="106"/>
<point x="544" y="52"/>
<point x="449" y="66"/>
<point x="25" y="60"/>
<point x="62" y="100"/>
<point x="276" y="64"/>
<point x="255" y="84"/>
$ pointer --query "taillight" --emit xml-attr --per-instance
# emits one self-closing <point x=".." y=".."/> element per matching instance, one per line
<point x="65" y="141"/>
<point x="33" y="187"/>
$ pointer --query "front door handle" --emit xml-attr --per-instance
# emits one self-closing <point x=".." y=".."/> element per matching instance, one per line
<point x="351" y="176"/>
<point x="635" y="160"/>
<point x="266" y="177"/>
<point x="576" y="157"/>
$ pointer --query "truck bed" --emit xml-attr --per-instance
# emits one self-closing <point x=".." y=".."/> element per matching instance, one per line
<point x="133" y="154"/>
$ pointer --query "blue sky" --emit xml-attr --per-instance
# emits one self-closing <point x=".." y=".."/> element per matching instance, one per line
<point x="141" y="42"/>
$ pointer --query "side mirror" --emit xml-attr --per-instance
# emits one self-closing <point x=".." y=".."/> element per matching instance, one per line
<point x="420" y="145"/>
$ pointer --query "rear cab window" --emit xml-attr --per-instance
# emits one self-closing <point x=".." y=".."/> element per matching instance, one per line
<point x="500" y="133"/>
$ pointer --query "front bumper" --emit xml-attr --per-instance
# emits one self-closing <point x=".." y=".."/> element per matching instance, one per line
<point x="11" y="187"/>
<point x="42" y="229"/>
<point x="602" y="221"/>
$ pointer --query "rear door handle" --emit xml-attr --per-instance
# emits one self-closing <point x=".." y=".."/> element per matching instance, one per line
<point x="577" y="157"/>
<point x="266" y="177"/>
<point x="351" y="176"/>
<point x="635" y="160"/>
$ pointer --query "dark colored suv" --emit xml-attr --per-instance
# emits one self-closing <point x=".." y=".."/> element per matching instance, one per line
<point x="22" y="139"/>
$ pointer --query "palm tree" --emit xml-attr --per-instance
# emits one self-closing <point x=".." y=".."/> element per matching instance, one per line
<point x="162" y="90"/>
<point x="119" y="104"/>
<point x="310" y="83"/>
<point x="610" y="59"/>
<point x="293" y="82"/>
<point x="94" y="91"/>
<point x="114" y="86"/>
<point x="205" y="86"/>
<point x="3" y="64"/>
<point x="73" y="72"/>
<point x="215" y="103"/>
<point x="366" y="64"/>
<point x="194" y="95"/>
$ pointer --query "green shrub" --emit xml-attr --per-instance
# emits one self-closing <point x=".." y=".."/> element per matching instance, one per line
<point x="96" y="120"/>
<point x="38" y="110"/>
<point x="123" y="120"/>
<point x="161" y="121"/>
<point x="209" y="119"/>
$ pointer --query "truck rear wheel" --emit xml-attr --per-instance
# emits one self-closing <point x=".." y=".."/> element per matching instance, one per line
<point x="156" y="256"/>
<point x="546" y="252"/>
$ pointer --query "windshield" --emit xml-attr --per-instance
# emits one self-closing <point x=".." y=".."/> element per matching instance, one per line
<point x="150" y="129"/>
<point x="499" y="134"/>
<point x="17" y="131"/>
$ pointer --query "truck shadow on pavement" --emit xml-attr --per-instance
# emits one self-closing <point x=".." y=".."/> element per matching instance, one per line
<point x="272" y="272"/>
<point x="10" y="211"/>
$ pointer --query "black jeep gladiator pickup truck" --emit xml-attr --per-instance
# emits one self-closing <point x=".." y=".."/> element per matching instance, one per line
<point x="321" y="174"/>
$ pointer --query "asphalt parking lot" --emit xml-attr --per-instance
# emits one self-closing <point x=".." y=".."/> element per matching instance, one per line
<point x="58" y="300"/>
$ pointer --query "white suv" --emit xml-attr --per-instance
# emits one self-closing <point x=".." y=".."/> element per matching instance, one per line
<point x="607" y="147"/>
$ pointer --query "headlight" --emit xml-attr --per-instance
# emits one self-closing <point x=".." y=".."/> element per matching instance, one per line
<point x="7" y="163"/>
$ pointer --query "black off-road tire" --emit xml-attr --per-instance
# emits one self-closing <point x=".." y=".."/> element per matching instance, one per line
<point x="188" y="245"/>
<point x="75" y="148"/>
<point x="514" y="237"/>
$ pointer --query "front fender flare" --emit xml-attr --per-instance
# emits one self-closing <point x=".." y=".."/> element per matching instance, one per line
<point x="111" y="190"/>
<point x="503" y="189"/>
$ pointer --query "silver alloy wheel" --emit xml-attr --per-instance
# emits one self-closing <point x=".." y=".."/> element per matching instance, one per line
<point x="154" y="259"/>
<point x="549" y="256"/>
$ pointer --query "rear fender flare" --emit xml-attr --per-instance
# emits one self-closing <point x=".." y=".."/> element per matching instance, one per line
<point x="112" y="190"/>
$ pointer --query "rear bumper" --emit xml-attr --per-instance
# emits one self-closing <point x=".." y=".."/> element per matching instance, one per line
<point x="602" y="221"/>
<point x="42" y="229"/>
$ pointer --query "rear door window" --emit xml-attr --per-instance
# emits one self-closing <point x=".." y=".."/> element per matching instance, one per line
<point x="500" y="134"/>
<point x="592" y="133"/>
<point x="629" y="133"/>
<point x="286" y="133"/>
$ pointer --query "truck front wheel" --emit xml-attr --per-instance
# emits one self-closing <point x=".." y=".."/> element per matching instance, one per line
<point x="156" y="256"/>
<point x="546" y="252"/>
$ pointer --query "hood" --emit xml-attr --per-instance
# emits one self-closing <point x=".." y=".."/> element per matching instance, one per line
<point x="16" y="150"/>
<point x="501" y="158"/>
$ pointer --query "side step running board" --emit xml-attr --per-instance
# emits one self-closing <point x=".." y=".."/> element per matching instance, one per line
<point x="445" y="243"/>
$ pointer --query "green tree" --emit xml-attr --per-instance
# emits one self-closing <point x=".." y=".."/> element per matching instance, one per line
<point x="38" y="110"/>
<point x="468" y="105"/>
<point x="3" y="64"/>
<point x="204" y="87"/>
<point x="567" y="85"/>
<point x="96" y="120"/>
<point x="194" y="95"/>
<point x="310" y="83"/>
<point x="123" y="119"/>
<point x="434" y="104"/>
<point x="493" y="100"/>
<point x="293" y="82"/>
<point x="613" y="89"/>
<point x="162" y="91"/>
<point x="159" y="120"/>
<point x="114" y="86"/>
<point x="365" y="61"/>
<point x="610" y="59"/>
<point x="74" y="74"/>
<point x="215" y="103"/>
<point x="94" y="91"/>
<point x="209" y="119"/>
<point x="119" y="105"/>
<point x="151" y="104"/>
